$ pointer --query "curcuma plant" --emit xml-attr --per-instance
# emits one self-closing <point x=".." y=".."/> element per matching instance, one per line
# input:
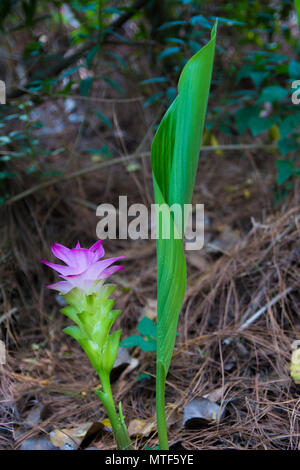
<point x="90" y="308"/>
<point x="174" y="158"/>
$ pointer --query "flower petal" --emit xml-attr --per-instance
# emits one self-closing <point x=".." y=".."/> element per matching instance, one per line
<point x="109" y="271"/>
<point x="61" y="252"/>
<point x="83" y="268"/>
<point x="82" y="259"/>
<point x="94" y="271"/>
<point x="98" y="248"/>
<point x="65" y="270"/>
<point x="62" y="286"/>
<point x="88" y="286"/>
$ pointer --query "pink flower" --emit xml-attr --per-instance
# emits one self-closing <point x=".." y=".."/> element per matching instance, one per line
<point x="82" y="267"/>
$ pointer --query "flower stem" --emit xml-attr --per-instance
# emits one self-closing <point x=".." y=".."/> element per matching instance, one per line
<point x="117" y="423"/>
<point x="160" y="407"/>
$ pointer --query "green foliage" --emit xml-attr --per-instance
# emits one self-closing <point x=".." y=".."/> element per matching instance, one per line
<point x="286" y="169"/>
<point x="260" y="95"/>
<point x="146" y="341"/>
<point x="272" y="93"/>
<point x="19" y="148"/>
<point x="103" y="118"/>
<point x="86" y="86"/>
<point x="256" y="65"/>
<point x="143" y="377"/>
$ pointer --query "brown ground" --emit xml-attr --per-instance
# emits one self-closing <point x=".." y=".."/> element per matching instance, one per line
<point x="257" y="259"/>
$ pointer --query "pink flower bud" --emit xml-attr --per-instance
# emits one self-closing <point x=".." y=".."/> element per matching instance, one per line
<point x="82" y="269"/>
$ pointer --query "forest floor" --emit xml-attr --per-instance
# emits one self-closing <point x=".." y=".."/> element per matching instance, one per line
<point x="248" y="269"/>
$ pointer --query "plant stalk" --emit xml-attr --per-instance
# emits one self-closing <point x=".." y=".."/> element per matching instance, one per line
<point x="160" y="407"/>
<point x="118" y="424"/>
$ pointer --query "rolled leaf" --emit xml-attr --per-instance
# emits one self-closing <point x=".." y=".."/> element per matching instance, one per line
<point x="174" y="160"/>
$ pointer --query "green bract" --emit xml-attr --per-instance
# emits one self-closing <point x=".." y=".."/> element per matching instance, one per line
<point x="94" y="318"/>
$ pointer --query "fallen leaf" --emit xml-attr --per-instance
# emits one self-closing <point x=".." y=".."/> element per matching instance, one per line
<point x="215" y="395"/>
<point x="122" y="362"/>
<point x="123" y="358"/>
<point x="295" y="344"/>
<point x="295" y="366"/>
<point x="141" y="427"/>
<point x="201" y="412"/>
<point x="72" y="439"/>
<point x="124" y="367"/>
<point x="2" y="353"/>
<point x="38" y="443"/>
<point x="144" y="427"/>
<point x="107" y="425"/>
<point x="133" y="365"/>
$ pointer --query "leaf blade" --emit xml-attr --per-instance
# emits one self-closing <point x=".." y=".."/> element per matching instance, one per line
<point x="174" y="159"/>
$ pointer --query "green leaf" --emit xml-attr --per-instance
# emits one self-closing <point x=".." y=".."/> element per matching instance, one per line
<point x="154" y="80"/>
<point x="289" y="124"/>
<point x="287" y="145"/>
<point x="258" y="77"/>
<point x="112" y="10"/>
<point x="7" y="174"/>
<point x="138" y="341"/>
<point x="91" y="54"/>
<point x="243" y="117"/>
<point x="153" y="98"/>
<point x="4" y="140"/>
<point x="147" y="344"/>
<point x="174" y="159"/>
<point x="103" y="118"/>
<point x="85" y="86"/>
<point x="294" y="69"/>
<point x="272" y="93"/>
<point x="114" y="84"/>
<point x="143" y="377"/>
<point x="285" y="170"/>
<point x="227" y="21"/>
<point x="131" y="341"/>
<point x="70" y="72"/>
<point x="171" y="24"/>
<point x="167" y="52"/>
<point x="199" y="19"/>
<point x="258" y="124"/>
<point x="147" y="327"/>
<point x="174" y="41"/>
